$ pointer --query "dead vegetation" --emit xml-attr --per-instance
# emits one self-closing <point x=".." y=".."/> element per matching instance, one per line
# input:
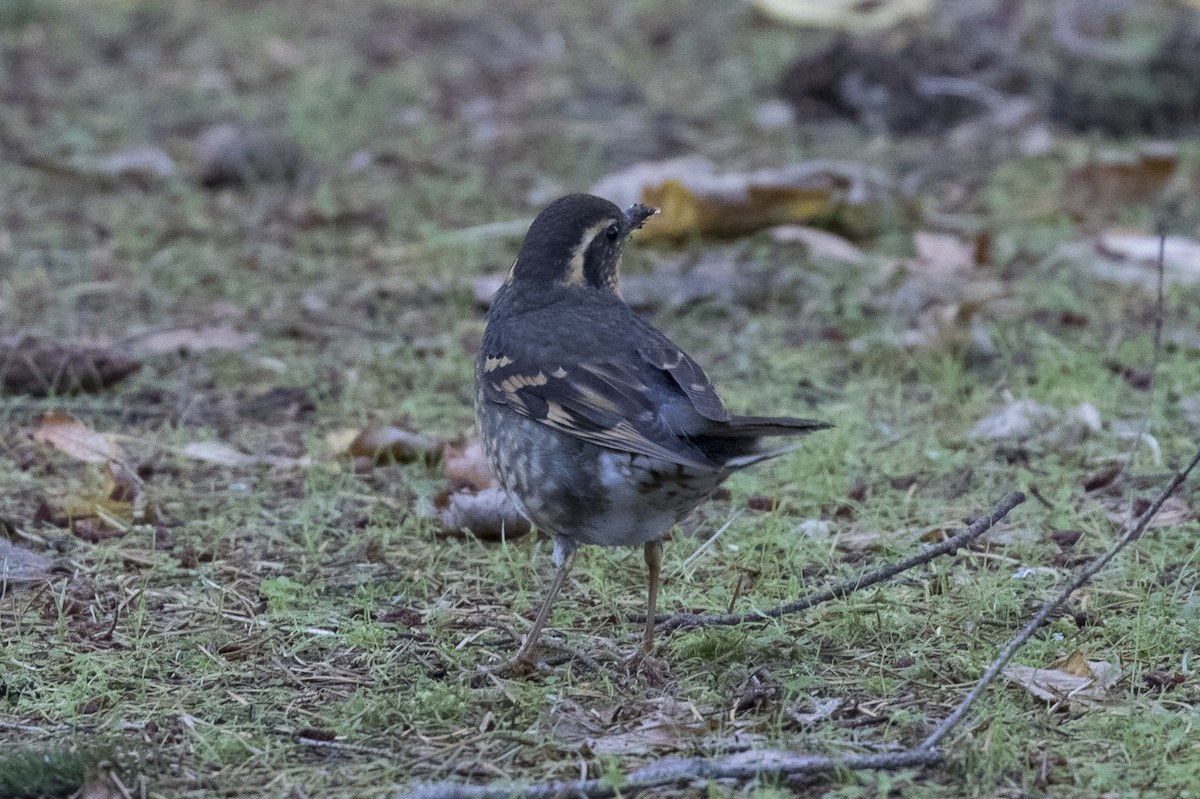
<point x="242" y="254"/>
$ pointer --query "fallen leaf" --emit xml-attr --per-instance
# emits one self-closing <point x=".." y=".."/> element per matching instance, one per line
<point x="144" y="166"/>
<point x="1017" y="421"/>
<point x="941" y="255"/>
<point x="1181" y="256"/>
<point x="850" y="15"/>
<point x="1102" y="478"/>
<point x="1072" y="679"/>
<point x="389" y="444"/>
<point x="279" y="405"/>
<point x="489" y="515"/>
<point x="339" y="441"/>
<point x="195" y="340"/>
<point x="1173" y="512"/>
<point x="1025" y="420"/>
<point x="224" y="455"/>
<point x="1103" y="186"/>
<point x="237" y="155"/>
<point x="822" y="709"/>
<point x="467" y="467"/>
<point x="1163" y="680"/>
<point x="665" y="724"/>
<point x="39" y="367"/>
<point x="70" y="436"/>
<point x="1132" y="259"/>
<point x="20" y="566"/>
<point x="819" y="244"/>
<point x="694" y="200"/>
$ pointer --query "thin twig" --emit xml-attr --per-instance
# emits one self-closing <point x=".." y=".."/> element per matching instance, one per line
<point x="847" y="587"/>
<point x="1132" y="533"/>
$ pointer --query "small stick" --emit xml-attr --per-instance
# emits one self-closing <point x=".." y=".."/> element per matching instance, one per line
<point x="977" y="528"/>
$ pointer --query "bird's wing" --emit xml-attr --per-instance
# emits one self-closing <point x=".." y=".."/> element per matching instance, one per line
<point x="614" y="406"/>
<point x="688" y="376"/>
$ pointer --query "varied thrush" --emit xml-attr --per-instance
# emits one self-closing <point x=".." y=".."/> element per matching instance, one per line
<point x="601" y="429"/>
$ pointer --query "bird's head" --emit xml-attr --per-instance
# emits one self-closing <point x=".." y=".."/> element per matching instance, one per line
<point x="576" y="241"/>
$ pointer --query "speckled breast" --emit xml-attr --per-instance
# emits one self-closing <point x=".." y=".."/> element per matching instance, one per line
<point x="585" y="493"/>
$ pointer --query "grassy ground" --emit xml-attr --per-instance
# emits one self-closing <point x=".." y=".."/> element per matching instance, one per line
<point x="307" y="632"/>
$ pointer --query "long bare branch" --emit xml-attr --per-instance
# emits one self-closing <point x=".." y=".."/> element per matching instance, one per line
<point x="668" y="772"/>
<point x="847" y="587"/>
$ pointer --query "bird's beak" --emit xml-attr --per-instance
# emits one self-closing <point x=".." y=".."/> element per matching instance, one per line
<point x="636" y="216"/>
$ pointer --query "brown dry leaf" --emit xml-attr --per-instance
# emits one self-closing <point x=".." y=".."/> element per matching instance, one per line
<point x="489" y="515"/>
<point x="1075" y="663"/>
<point x="389" y="444"/>
<point x="224" y="455"/>
<point x="1174" y="512"/>
<point x="39" y="367"/>
<point x="467" y="466"/>
<point x="849" y="15"/>
<point x="193" y="340"/>
<point x="69" y="435"/>
<point x="694" y="200"/>
<point x="1103" y="186"/>
<point x="1072" y="678"/>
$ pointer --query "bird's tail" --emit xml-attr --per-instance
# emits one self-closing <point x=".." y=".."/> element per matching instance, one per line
<point x="737" y="442"/>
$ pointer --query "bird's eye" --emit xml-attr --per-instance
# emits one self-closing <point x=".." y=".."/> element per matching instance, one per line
<point x="613" y="232"/>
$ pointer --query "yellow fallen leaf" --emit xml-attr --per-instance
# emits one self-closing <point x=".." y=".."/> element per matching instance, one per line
<point x="74" y="438"/>
<point x="695" y="200"/>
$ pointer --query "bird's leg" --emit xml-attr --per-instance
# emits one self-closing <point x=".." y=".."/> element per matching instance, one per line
<point x="527" y="654"/>
<point x="653" y="554"/>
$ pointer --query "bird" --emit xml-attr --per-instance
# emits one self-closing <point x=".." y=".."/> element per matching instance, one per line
<point x="600" y="429"/>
